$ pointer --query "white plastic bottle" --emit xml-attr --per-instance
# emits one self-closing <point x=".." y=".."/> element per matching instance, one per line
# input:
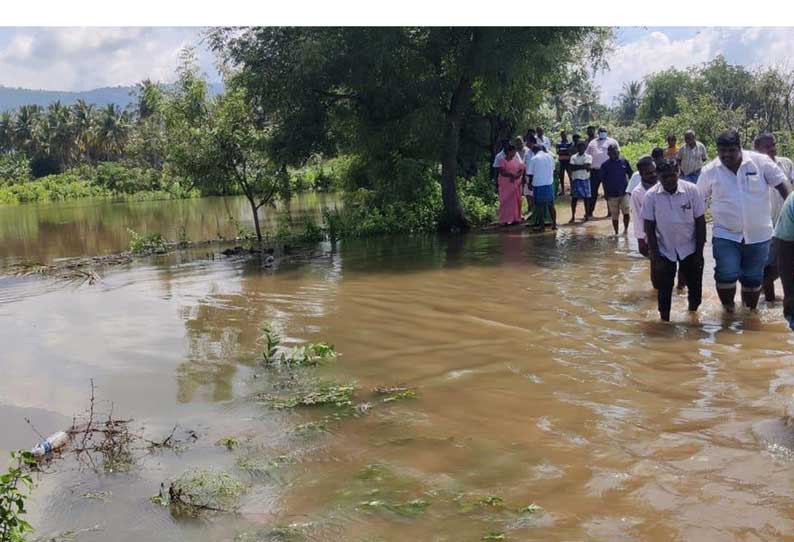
<point x="50" y="444"/>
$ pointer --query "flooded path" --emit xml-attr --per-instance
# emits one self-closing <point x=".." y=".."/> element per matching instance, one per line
<point x="543" y="376"/>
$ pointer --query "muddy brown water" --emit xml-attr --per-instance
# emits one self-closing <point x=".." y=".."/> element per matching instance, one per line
<point x="543" y="376"/>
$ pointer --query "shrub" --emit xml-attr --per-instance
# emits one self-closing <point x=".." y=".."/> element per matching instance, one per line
<point x="15" y="486"/>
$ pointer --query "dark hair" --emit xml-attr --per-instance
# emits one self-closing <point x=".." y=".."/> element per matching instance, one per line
<point x="666" y="165"/>
<point x="764" y="136"/>
<point x="671" y="134"/>
<point x="602" y="129"/>
<point x="576" y="136"/>
<point x="531" y="139"/>
<point x="591" y="127"/>
<point x="729" y="138"/>
<point x="537" y="148"/>
<point x="645" y="161"/>
<point x="613" y="146"/>
<point x="657" y="152"/>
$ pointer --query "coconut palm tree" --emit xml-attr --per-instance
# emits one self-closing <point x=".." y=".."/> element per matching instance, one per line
<point x="629" y="100"/>
<point x="25" y="129"/>
<point x="112" y="132"/>
<point x="83" y="127"/>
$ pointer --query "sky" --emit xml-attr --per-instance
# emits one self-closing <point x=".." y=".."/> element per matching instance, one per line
<point x="643" y="50"/>
<point x="63" y="58"/>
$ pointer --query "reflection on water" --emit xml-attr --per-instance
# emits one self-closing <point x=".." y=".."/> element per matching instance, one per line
<point x="542" y="371"/>
<point x="44" y="232"/>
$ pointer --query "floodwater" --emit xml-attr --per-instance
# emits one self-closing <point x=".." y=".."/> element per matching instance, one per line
<point x="542" y="372"/>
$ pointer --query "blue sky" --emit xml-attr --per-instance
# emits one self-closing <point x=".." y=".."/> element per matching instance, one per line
<point x="65" y="58"/>
<point x="643" y="50"/>
<point x="84" y="58"/>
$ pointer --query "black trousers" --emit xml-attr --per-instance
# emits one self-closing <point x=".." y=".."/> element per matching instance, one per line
<point x="691" y="267"/>
<point x="595" y="183"/>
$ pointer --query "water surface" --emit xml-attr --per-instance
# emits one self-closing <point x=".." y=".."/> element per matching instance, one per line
<point x="543" y="375"/>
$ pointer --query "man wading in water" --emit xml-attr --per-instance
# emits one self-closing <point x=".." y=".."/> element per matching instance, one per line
<point x="737" y="183"/>
<point x="675" y="228"/>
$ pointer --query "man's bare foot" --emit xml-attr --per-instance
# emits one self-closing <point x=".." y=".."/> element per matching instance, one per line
<point x="554" y="227"/>
<point x="572" y="221"/>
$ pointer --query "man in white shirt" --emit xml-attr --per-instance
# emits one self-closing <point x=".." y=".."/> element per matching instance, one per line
<point x="691" y="157"/>
<point x="766" y="144"/>
<point x="737" y="183"/>
<point x="543" y="140"/>
<point x="597" y="148"/>
<point x="540" y="174"/>
<point x="646" y="171"/>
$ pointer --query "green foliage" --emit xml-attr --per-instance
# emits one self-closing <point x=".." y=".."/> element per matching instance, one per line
<point x="15" y="486"/>
<point x="634" y="151"/>
<point x="14" y="167"/>
<point x="662" y="90"/>
<point x="146" y="244"/>
<point x="412" y="508"/>
<point x="494" y="535"/>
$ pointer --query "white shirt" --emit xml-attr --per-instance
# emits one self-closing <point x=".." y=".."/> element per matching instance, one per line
<point x="637" y="198"/>
<point x="635" y="181"/>
<point x="546" y="142"/>
<point x="577" y="160"/>
<point x="541" y="167"/>
<point x="740" y="207"/>
<point x="597" y="148"/>
<point x="775" y="199"/>
<point x="502" y="156"/>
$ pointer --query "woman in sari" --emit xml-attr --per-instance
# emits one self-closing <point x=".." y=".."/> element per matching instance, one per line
<point x="511" y="173"/>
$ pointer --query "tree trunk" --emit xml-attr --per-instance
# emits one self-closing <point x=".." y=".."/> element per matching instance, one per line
<point x="254" y="210"/>
<point x="453" y="217"/>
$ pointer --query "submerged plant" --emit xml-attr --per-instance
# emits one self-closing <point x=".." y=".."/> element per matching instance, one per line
<point x="196" y="491"/>
<point x="145" y="244"/>
<point x="411" y="508"/>
<point x="494" y="535"/>
<point x="321" y="393"/>
<point x="230" y="443"/>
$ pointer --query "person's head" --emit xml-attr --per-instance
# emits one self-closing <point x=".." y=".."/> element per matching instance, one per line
<point x="576" y="138"/>
<point x="729" y="149"/>
<point x="668" y="174"/>
<point x="689" y="138"/>
<point x="503" y="145"/>
<point x="612" y="152"/>
<point x="765" y="144"/>
<point x="530" y="132"/>
<point x="646" y="166"/>
<point x="580" y="147"/>
<point x="539" y="131"/>
<point x="602" y="133"/>
<point x="511" y="150"/>
<point x="657" y="153"/>
<point x="564" y="135"/>
<point x="671" y="139"/>
<point x="591" y="132"/>
<point x="519" y="142"/>
<point x="536" y="148"/>
<point x="531" y="141"/>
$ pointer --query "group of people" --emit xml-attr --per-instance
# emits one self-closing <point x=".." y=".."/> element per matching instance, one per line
<point x="746" y="191"/>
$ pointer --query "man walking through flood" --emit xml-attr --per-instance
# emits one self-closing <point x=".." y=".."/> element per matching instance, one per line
<point x="765" y="144"/>
<point x="737" y="183"/>
<point x="675" y="229"/>
<point x="646" y="169"/>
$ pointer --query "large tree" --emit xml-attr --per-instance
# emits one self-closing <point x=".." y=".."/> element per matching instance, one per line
<point x="395" y="93"/>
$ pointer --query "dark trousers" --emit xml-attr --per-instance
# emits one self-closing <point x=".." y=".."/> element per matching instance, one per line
<point x="692" y="269"/>
<point x="595" y="182"/>
<point x="565" y="167"/>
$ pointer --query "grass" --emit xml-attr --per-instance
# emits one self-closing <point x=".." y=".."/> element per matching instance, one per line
<point x="315" y="394"/>
<point x="202" y="490"/>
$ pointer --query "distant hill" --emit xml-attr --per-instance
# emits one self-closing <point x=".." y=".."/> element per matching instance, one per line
<point x="12" y="98"/>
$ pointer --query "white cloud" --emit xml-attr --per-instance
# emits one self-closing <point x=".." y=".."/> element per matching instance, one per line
<point x="656" y="51"/>
<point x="86" y="58"/>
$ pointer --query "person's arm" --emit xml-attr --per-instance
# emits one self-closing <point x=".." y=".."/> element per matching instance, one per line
<point x="650" y="238"/>
<point x="704" y="152"/>
<point x="785" y="266"/>
<point x="700" y="234"/>
<point x="784" y="190"/>
<point x="629" y="171"/>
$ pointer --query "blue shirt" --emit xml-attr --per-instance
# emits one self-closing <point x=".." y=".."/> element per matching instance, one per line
<point x="615" y="176"/>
